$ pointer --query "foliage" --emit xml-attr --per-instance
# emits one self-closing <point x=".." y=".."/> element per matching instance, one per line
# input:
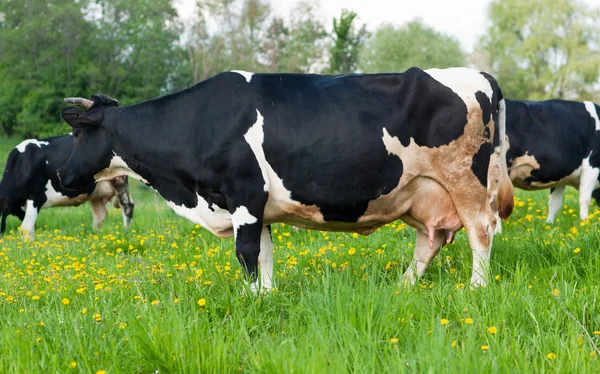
<point x="347" y="42"/>
<point x="60" y="48"/>
<point x="168" y="296"/>
<point x="543" y="49"/>
<point x="395" y="49"/>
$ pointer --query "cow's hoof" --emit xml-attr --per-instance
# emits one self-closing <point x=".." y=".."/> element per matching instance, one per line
<point x="477" y="282"/>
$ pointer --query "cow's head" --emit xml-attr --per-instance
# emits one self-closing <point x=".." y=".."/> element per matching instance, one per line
<point x="93" y="148"/>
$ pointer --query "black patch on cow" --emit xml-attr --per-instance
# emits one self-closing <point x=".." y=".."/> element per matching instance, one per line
<point x="486" y="132"/>
<point x="495" y="106"/>
<point x="325" y="156"/>
<point x="481" y="162"/>
<point x="558" y="133"/>
<point x="485" y="105"/>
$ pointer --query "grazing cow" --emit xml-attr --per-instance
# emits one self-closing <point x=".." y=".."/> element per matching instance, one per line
<point x="551" y="145"/>
<point x="30" y="183"/>
<point x="240" y="151"/>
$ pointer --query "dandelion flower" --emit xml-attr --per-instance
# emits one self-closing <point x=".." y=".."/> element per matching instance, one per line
<point x="596" y="332"/>
<point x="66" y="301"/>
<point x="444" y="321"/>
<point x="394" y="340"/>
<point x="155" y="302"/>
<point x="484" y="347"/>
<point x="469" y="321"/>
<point x="556" y="292"/>
<point x="202" y="302"/>
<point x="551" y="355"/>
<point x="73" y="365"/>
<point x="101" y="372"/>
<point x="35" y="297"/>
<point x="577" y="250"/>
<point x="493" y="330"/>
<point x="454" y="343"/>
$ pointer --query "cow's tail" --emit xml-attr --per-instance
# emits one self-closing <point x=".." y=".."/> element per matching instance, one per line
<point x="505" y="188"/>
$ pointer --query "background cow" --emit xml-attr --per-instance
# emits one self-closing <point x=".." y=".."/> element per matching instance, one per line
<point x="30" y="183"/>
<point x="552" y="145"/>
<point x="240" y="151"/>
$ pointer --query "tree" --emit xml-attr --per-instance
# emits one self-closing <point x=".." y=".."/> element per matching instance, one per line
<point x="297" y="46"/>
<point x="543" y="49"/>
<point x="347" y="41"/>
<point x="395" y="49"/>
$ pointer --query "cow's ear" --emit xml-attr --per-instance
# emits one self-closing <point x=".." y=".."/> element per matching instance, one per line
<point x="76" y="118"/>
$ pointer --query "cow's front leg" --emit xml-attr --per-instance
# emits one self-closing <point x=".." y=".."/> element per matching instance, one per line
<point x="247" y="220"/>
<point x="265" y="259"/>
<point x="555" y="202"/>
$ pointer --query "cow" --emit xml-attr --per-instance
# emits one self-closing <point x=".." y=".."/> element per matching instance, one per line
<point x="241" y="151"/>
<point x="30" y="183"/>
<point x="551" y="144"/>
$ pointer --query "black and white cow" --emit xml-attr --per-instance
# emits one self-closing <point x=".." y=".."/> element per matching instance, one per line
<point x="552" y="145"/>
<point x="30" y="183"/>
<point x="240" y="151"/>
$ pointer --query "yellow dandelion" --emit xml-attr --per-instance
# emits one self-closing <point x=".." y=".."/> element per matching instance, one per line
<point x="444" y="321"/>
<point x="577" y="250"/>
<point x="38" y="340"/>
<point x="155" y="302"/>
<point x="73" y="365"/>
<point x="394" y="340"/>
<point x="551" y="355"/>
<point x="101" y="372"/>
<point x="176" y="301"/>
<point x="354" y="235"/>
<point x="352" y="251"/>
<point x="556" y="292"/>
<point x="202" y="302"/>
<point x="469" y="321"/>
<point x="35" y="297"/>
<point x="484" y="347"/>
<point x="42" y="324"/>
<point x="84" y="311"/>
<point x="122" y="325"/>
<point x="596" y="332"/>
<point x="493" y="330"/>
<point x="66" y="301"/>
<point x="454" y="343"/>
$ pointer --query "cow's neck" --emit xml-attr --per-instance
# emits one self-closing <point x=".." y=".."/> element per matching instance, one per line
<point x="145" y="148"/>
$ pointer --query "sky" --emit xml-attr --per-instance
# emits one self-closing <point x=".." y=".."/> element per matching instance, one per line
<point x="463" y="19"/>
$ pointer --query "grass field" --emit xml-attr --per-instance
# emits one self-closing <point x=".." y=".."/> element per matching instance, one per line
<point x="167" y="296"/>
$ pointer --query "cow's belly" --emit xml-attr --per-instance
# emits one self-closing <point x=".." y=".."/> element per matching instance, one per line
<point x="214" y="219"/>
<point x="55" y="198"/>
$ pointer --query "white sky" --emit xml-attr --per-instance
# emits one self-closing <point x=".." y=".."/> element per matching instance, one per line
<point x="464" y="19"/>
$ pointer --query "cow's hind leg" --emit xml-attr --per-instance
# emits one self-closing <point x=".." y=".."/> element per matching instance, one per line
<point x="555" y="202"/>
<point x="423" y="255"/>
<point x="98" y="212"/>
<point x="587" y="183"/>
<point x="121" y="187"/>
<point x="27" y="228"/>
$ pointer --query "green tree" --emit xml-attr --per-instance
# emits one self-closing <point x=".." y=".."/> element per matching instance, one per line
<point x="395" y="49"/>
<point x="296" y="46"/>
<point x="542" y="49"/>
<point x="347" y="41"/>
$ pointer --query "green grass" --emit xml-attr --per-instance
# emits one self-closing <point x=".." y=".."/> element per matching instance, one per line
<point x="133" y="298"/>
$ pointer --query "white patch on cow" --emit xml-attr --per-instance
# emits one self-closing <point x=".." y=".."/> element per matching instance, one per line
<point x="117" y="167"/>
<point x="217" y="220"/>
<point x="591" y="108"/>
<point x="587" y="185"/>
<point x="54" y="198"/>
<point x="255" y="138"/>
<point x="463" y="81"/>
<point x="245" y="74"/>
<point x="21" y="147"/>
<point x="27" y="228"/>
<point x="241" y="217"/>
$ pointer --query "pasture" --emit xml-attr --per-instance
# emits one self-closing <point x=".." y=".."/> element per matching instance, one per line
<point x="166" y="296"/>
